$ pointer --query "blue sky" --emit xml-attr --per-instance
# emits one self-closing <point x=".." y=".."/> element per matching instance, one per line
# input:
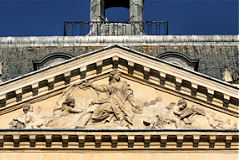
<point x="185" y="17"/>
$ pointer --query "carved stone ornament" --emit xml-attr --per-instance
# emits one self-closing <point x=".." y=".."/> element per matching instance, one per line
<point x="227" y="75"/>
<point x="29" y="118"/>
<point x="113" y="106"/>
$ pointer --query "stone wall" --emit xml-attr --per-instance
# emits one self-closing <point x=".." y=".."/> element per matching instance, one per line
<point x="213" y="52"/>
<point x="121" y="155"/>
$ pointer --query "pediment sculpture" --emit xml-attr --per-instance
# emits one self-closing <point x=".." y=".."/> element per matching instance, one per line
<point x="113" y="106"/>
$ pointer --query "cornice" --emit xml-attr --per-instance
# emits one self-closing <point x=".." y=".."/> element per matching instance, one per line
<point x="133" y="64"/>
<point x="118" y="140"/>
<point x="231" y="40"/>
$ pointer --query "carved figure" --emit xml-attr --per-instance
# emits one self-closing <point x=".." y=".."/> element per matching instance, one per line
<point x="185" y="113"/>
<point x="111" y="108"/>
<point x="217" y="122"/>
<point x="182" y="112"/>
<point x="227" y="75"/>
<point x="67" y="107"/>
<point x="30" y="118"/>
<point x="167" y="119"/>
<point x="178" y="115"/>
<point x="113" y="105"/>
<point x="150" y="114"/>
<point x="18" y="122"/>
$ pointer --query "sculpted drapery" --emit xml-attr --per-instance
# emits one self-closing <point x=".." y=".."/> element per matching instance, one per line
<point x="112" y="105"/>
<point x="111" y="108"/>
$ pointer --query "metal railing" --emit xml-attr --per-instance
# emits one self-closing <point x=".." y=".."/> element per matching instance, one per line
<point x="115" y="28"/>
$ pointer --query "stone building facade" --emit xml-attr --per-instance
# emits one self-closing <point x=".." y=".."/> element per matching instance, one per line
<point x="213" y="53"/>
<point x="118" y="100"/>
<point x="119" y="97"/>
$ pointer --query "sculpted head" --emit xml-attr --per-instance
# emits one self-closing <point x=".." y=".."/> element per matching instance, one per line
<point x="70" y="101"/>
<point x="115" y="75"/>
<point x="182" y="103"/>
<point x="27" y="107"/>
<point x="158" y="99"/>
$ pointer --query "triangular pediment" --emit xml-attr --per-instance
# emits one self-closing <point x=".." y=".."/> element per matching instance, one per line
<point x="149" y="94"/>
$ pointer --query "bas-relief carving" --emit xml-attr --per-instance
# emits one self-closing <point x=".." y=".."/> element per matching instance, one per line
<point x="113" y="106"/>
<point x="29" y="119"/>
<point x="180" y="116"/>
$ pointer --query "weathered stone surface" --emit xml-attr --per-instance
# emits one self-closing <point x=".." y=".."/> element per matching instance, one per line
<point x="108" y="100"/>
<point x="97" y="14"/>
<point x="122" y="155"/>
<point x="164" y="117"/>
<point x="116" y="105"/>
<point x="213" y="52"/>
<point x="136" y="10"/>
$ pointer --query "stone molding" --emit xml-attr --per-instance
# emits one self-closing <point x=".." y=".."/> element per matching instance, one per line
<point x="120" y="40"/>
<point x="118" y="140"/>
<point x="164" y="76"/>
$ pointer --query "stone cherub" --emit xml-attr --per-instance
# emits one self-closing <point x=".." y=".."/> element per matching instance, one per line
<point x="181" y="115"/>
<point x="185" y="113"/>
<point x="111" y="108"/>
<point x="66" y="108"/>
<point x="30" y="118"/>
<point x="178" y="115"/>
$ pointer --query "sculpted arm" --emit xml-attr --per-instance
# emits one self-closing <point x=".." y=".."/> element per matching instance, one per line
<point x="133" y="102"/>
<point x="131" y="98"/>
<point x="73" y="110"/>
<point x="70" y="109"/>
<point x="175" y="110"/>
<point x="99" y="88"/>
<point x="27" y="118"/>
